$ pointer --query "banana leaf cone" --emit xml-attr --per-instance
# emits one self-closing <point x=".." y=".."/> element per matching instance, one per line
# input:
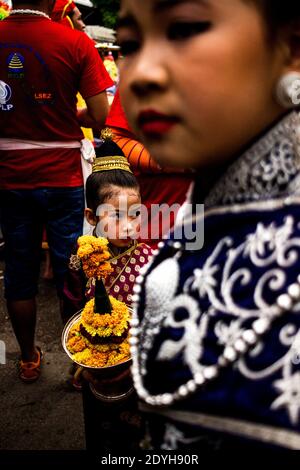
<point x="102" y="302"/>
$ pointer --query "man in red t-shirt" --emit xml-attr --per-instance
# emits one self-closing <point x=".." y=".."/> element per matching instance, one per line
<point x="42" y="67"/>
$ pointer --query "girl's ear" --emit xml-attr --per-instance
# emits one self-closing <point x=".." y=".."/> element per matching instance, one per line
<point x="295" y="47"/>
<point x="292" y="41"/>
<point x="90" y="216"/>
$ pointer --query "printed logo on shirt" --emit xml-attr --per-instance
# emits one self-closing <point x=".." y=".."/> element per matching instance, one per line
<point x="34" y="97"/>
<point x="5" y="96"/>
<point x="15" y="65"/>
<point x="43" y="97"/>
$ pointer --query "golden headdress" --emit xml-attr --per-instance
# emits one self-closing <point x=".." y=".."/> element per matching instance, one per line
<point x="109" y="156"/>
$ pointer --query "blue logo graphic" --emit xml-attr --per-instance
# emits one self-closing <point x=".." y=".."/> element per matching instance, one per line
<point x="15" y="62"/>
<point x="5" y="96"/>
<point x="5" y="92"/>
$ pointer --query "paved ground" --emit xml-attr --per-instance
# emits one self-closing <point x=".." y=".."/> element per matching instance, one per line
<point x="46" y="415"/>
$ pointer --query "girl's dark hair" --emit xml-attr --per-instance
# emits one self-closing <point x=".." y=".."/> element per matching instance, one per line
<point x="98" y="184"/>
<point x="279" y="13"/>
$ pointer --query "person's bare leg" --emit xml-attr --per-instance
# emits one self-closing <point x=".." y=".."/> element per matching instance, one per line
<point x="23" y="318"/>
<point x="48" y="271"/>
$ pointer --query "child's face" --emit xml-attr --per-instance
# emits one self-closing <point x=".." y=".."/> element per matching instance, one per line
<point x="118" y="219"/>
<point x="198" y="77"/>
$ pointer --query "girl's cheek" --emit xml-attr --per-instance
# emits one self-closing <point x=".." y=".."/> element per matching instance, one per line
<point x="102" y="228"/>
<point x="137" y="230"/>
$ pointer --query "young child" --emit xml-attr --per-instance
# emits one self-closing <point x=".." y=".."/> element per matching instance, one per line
<point x="213" y="86"/>
<point x="113" y="208"/>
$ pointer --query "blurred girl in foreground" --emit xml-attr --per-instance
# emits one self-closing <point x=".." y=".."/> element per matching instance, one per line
<point x="213" y="85"/>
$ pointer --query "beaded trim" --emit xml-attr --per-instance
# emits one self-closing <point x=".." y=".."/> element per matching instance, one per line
<point x="111" y="163"/>
<point x="246" y="341"/>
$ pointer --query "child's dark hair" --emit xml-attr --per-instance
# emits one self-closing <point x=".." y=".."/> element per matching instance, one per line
<point x="98" y="184"/>
<point x="279" y="13"/>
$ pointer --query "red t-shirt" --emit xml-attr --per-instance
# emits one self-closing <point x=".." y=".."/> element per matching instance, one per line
<point x="116" y="116"/>
<point x="42" y="67"/>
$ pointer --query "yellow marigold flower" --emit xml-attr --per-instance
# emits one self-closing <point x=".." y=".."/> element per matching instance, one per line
<point x="102" y="347"/>
<point x="95" y="242"/>
<point x="94" y="254"/>
<point x="75" y="329"/>
<point x="93" y="357"/>
<point x="76" y="344"/>
<point x="114" y="323"/>
<point x="84" y="251"/>
<point x="100" y="355"/>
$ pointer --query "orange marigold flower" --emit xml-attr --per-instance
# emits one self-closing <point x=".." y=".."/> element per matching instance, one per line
<point x="114" y="323"/>
<point x="76" y="344"/>
<point x="94" y="254"/>
<point x="100" y="355"/>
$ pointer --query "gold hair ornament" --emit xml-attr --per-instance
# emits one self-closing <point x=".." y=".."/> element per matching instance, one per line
<point x="111" y="163"/>
<point x="107" y="134"/>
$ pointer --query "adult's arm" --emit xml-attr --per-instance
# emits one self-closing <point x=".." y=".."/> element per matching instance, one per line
<point x="95" y="113"/>
<point x="93" y="82"/>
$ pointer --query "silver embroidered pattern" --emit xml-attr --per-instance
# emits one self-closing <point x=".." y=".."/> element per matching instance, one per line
<point x="237" y="340"/>
<point x="75" y="263"/>
<point x="263" y="171"/>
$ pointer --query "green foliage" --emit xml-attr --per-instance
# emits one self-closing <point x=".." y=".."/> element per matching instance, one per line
<point x="108" y="10"/>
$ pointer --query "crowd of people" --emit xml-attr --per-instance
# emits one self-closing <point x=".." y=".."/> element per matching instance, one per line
<point x="215" y="329"/>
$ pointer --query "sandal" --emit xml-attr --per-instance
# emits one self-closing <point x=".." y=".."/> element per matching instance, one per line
<point x="30" y="371"/>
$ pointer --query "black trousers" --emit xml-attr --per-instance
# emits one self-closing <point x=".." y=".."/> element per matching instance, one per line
<point x="111" y="427"/>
